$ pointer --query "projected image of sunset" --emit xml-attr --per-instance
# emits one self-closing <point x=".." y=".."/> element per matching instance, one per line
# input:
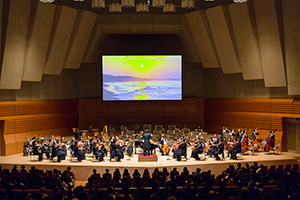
<point x="141" y="78"/>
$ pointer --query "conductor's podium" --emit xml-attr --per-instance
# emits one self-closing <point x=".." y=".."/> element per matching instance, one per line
<point x="151" y="158"/>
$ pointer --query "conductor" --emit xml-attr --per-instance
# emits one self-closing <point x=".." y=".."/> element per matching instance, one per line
<point x="147" y="144"/>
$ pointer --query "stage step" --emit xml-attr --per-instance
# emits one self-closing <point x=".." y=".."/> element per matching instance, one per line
<point x="151" y="158"/>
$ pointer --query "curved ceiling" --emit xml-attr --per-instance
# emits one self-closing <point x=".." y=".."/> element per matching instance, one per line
<point x="86" y="5"/>
<point x="258" y="39"/>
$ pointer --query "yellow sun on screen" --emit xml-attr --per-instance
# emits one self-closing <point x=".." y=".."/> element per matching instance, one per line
<point x="142" y="65"/>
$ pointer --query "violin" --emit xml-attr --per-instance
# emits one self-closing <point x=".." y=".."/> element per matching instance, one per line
<point x="177" y="145"/>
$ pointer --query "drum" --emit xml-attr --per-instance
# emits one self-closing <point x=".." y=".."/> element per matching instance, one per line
<point x="95" y="133"/>
<point x="84" y="133"/>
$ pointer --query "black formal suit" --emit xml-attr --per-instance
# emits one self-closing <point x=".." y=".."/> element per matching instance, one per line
<point x="235" y="150"/>
<point x="61" y="154"/>
<point x="198" y="150"/>
<point x="36" y="152"/>
<point x="54" y="151"/>
<point x="45" y="150"/>
<point x="116" y="151"/>
<point x="182" y="151"/>
<point x="219" y="150"/>
<point x="80" y="154"/>
<point x="97" y="151"/>
<point x="147" y="144"/>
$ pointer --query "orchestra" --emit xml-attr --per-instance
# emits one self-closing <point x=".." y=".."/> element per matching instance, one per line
<point x="233" y="141"/>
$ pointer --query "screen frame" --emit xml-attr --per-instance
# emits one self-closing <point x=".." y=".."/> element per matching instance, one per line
<point x="102" y="55"/>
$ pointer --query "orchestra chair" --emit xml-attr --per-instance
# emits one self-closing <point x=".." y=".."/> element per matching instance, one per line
<point x="276" y="149"/>
<point x="262" y="146"/>
<point x="253" y="153"/>
<point x="240" y="155"/>
<point x="72" y="156"/>
<point x="31" y="156"/>
<point x="203" y="157"/>
<point x="89" y="156"/>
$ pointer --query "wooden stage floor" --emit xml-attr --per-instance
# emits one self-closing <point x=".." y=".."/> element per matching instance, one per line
<point x="84" y="169"/>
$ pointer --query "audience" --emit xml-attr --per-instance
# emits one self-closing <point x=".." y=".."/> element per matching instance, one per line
<point x="256" y="182"/>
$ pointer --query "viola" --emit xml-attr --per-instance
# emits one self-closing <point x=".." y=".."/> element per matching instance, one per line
<point x="196" y="143"/>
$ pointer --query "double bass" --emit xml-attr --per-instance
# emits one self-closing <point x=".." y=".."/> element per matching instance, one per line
<point x="270" y="141"/>
<point x="244" y="142"/>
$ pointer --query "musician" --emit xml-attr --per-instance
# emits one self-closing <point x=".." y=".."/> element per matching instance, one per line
<point x="215" y="141"/>
<point x="147" y="144"/>
<point x="35" y="150"/>
<point x="271" y="135"/>
<point x="224" y="130"/>
<point x="162" y="142"/>
<point x="45" y="148"/>
<point x="201" y="137"/>
<point x="253" y="135"/>
<point x="116" y="150"/>
<point x="239" y="133"/>
<point x="54" y="150"/>
<point x="199" y="148"/>
<point x="98" y="151"/>
<point x="79" y="151"/>
<point x="72" y="144"/>
<point x="236" y="149"/>
<point x="122" y="135"/>
<point x="182" y="149"/>
<point x="219" y="149"/>
<point x="60" y="151"/>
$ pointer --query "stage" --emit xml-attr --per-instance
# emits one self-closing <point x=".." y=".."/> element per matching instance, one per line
<point x="84" y="169"/>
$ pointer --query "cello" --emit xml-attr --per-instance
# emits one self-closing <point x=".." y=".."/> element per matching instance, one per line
<point x="270" y="141"/>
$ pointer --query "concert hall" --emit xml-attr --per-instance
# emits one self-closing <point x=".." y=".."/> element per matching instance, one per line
<point x="150" y="99"/>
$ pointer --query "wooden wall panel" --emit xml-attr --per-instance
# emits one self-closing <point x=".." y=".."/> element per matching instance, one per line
<point x="296" y="106"/>
<point x="37" y="117"/>
<point x="266" y="114"/>
<point x="62" y="28"/>
<point x="80" y="42"/>
<point x="38" y="43"/>
<point x="223" y="40"/>
<point x="260" y="105"/>
<point x="7" y="108"/>
<point x="292" y="44"/>
<point x="9" y="126"/>
<point x="15" y="44"/>
<point x="23" y="107"/>
<point x="269" y="43"/>
<point x="282" y="105"/>
<point x="240" y="105"/>
<point x="183" y="113"/>
<point x="10" y="144"/>
<point x="245" y="41"/>
<point x="203" y="39"/>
